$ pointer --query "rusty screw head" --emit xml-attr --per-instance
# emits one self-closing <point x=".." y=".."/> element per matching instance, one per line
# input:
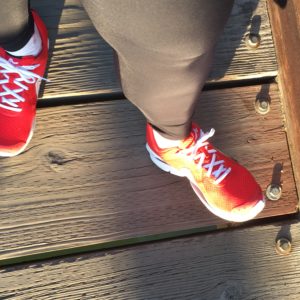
<point x="252" y="40"/>
<point x="262" y="106"/>
<point x="283" y="246"/>
<point x="273" y="192"/>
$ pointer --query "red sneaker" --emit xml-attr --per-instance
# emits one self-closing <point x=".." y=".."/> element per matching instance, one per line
<point x="226" y="188"/>
<point x="19" y="86"/>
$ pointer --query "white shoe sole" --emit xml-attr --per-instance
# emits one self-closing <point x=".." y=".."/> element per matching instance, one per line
<point x="232" y="217"/>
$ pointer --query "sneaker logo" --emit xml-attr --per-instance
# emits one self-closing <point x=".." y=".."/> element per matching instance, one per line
<point x="37" y="86"/>
<point x="12" y="61"/>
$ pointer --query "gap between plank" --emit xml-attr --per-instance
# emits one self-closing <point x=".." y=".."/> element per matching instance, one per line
<point x="109" y="96"/>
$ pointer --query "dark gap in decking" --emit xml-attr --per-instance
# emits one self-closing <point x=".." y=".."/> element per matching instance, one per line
<point x="79" y="99"/>
<point x="156" y="238"/>
<point x="99" y="97"/>
<point x="238" y="83"/>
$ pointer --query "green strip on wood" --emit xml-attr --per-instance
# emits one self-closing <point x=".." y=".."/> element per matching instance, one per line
<point x="108" y="245"/>
<point x="140" y="240"/>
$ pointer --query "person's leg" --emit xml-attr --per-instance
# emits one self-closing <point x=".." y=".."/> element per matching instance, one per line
<point x="165" y="51"/>
<point x="16" y="24"/>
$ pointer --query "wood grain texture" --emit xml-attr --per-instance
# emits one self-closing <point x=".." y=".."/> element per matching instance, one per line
<point x="230" y="265"/>
<point x="286" y="29"/>
<point x="86" y="177"/>
<point x="82" y="63"/>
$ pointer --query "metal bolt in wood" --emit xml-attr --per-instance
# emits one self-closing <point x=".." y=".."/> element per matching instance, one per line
<point x="252" y="40"/>
<point x="283" y="246"/>
<point x="262" y="106"/>
<point x="273" y="192"/>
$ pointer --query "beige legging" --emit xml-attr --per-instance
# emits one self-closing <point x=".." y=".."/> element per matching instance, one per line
<point x="165" y="50"/>
<point x="16" y="24"/>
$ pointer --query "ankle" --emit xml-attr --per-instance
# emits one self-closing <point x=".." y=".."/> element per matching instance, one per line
<point x="32" y="48"/>
<point x="164" y="142"/>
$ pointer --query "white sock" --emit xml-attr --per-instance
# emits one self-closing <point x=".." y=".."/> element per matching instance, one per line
<point x="33" y="46"/>
<point x="163" y="142"/>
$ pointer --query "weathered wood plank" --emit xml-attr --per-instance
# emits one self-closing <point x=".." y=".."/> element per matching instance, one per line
<point x="236" y="264"/>
<point x="82" y="63"/>
<point x="86" y="178"/>
<point x="286" y="30"/>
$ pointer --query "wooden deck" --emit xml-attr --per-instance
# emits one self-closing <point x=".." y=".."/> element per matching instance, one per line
<point x="73" y="198"/>
<point x="229" y="265"/>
